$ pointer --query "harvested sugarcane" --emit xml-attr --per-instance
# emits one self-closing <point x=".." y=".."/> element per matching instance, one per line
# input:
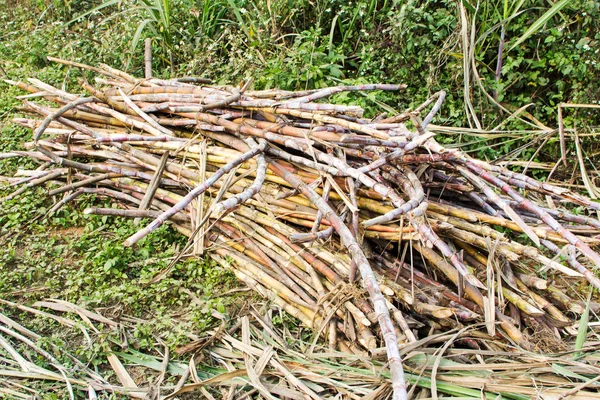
<point x="302" y="195"/>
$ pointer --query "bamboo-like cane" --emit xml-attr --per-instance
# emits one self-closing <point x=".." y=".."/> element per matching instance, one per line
<point x="369" y="280"/>
<point x="38" y="181"/>
<point x="337" y="89"/>
<point x="39" y="131"/>
<point x="547" y="218"/>
<point x="83" y="183"/>
<point x="143" y="115"/>
<point x="192" y="195"/>
<point x="117" y="212"/>
<point x="154" y="183"/>
<point x="148" y="58"/>
<point x="252" y="189"/>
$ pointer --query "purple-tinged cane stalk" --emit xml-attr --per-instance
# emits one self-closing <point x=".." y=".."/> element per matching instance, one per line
<point x="254" y="188"/>
<point x="192" y="195"/>
<point x="39" y="131"/>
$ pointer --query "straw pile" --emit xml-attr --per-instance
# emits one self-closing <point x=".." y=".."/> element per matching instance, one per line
<point x="299" y="198"/>
<point x="252" y="358"/>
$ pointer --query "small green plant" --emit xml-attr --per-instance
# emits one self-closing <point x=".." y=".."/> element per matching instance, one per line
<point x="309" y="65"/>
<point x="158" y="19"/>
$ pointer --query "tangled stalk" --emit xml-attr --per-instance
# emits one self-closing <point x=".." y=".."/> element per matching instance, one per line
<point x="303" y="195"/>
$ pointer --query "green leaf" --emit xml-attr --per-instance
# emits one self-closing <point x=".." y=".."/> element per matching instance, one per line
<point x="93" y="10"/>
<point x="537" y="25"/>
<point x="151" y="362"/>
<point x="582" y="328"/>
<point x="561" y="370"/>
<point x="136" y="37"/>
<point x="109" y="264"/>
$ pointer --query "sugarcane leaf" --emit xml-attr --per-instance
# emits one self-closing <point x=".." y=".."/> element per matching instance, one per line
<point x="122" y="374"/>
<point x="138" y="33"/>
<point x="515" y="10"/>
<point x="457" y="390"/>
<point x="167" y="12"/>
<point x="587" y="181"/>
<point x="582" y="328"/>
<point x="541" y="21"/>
<point x="495" y="27"/>
<point x="469" y="6"/>
<point x="562" y="370"/>
<point x="421" y="359"/>
<point x="93" y="10"/>
<point x="331" y="32"/>
<point x="151" y="362"/>
<point x="68" y="384"/>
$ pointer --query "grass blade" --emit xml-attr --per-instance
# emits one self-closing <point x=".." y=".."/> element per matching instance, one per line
<point x="93" y="10"/>
<point x="582" y="328"/>
<point x="537" y="25"/>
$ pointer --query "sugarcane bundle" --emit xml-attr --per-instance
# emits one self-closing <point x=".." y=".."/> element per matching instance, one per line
<point x="298" y="197"/>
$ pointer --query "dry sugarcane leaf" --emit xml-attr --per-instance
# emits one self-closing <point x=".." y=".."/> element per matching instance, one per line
<point x="225" y="379"/>
<point x="65" y="306"/>
<point x="121" y="372"/>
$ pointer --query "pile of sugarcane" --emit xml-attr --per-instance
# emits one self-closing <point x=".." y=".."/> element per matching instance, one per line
<point x="299" y="198"/>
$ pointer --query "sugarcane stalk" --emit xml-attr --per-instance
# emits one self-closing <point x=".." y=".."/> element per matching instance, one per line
<point x="326" y="119"/>
<point x="117" y="212"/>
<point x="369" y="280"/>
<point x="441" y="95"/>
<point x="379" y="171"/>
<point x="192" y="195"/>
<point x="504" y="206"/>
<point x="82" y="66"/>
<point x="131" y="122"/>
<point x="589" y="275"/>
<point x="564" y="301"/>
<point x="39" y="131"/>
<point x="337" y="89"/>
<point x="252" y="189"/>
<point x="319" y="217"/>
<point x="416" y="204"/>
<point x="148" y="58"/>
<point x="532" y="281"/>
<point x="413" y="144"/>
<point x="311" y="237"/>
<point x="153" y="185"/>
<point x="472" y="292"/>
<point x="143" y="115"/>
<point x="523" y="305"/>
<point x="547" y="218"/>
<point x="280" y="272"/>
<point x="35" y="182"/>
<point x="83" y="129"/>
<point x="556" y="317"/>
<point x="311" y="259"/>
<point x="83" y="183"/>
<point x="269" y="294"/>
<point x="102" y="168"/>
